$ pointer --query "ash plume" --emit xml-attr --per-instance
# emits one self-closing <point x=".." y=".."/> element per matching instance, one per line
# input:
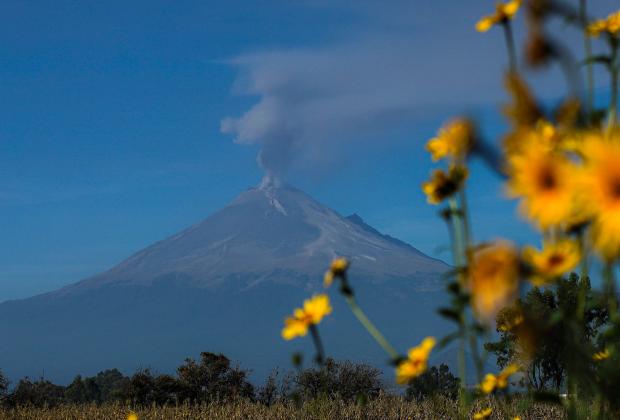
<point x="315" y="102"/>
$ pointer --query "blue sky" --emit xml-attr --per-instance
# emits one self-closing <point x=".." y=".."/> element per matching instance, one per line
<point x="111" y="117"/>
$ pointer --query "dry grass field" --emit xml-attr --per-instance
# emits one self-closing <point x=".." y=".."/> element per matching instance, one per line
<point x="382" y="408"/>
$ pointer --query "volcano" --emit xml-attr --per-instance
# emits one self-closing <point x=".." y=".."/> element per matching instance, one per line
<point x="225" y="285"/>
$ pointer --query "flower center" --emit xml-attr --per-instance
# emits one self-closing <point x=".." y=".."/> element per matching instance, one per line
<point x="556" y="259"/>
<point x="614" y="188"/>
<point x="547" y="180"/>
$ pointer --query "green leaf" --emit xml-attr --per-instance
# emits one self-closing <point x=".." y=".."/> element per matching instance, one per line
<point x="297" y="359"/>
<point x="447" y="339"/>
<point x="556" y="317"/>
<point x="598" y="59"/>
<point x="450" y="314"/>
<point x="479" y="328"/>
<point x="454" y="287"/>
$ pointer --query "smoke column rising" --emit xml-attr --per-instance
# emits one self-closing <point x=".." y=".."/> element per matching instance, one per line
<point x="314" y="102"/>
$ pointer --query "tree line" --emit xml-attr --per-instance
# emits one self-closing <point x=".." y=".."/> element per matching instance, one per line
<point x="213" y="378"/>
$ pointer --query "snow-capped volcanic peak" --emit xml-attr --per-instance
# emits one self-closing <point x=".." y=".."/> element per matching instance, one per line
<point x="226" y="283"/>
<point x="273" y="232"/>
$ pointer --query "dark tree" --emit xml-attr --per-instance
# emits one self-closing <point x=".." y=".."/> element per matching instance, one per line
<point x="268" y="393"/>
<point x="212" y="379"/>
<point x="83" y="391"/>
<point x="141" y="390"/>
<point x="39" y="393"/>
<point x="435" y="381"/>
<point x="4" y="386"/>
<point x="112" y="384"/>
<point x="548" y="338"/>
<point x="165" y="390"/>
<point x="344" y="380"/>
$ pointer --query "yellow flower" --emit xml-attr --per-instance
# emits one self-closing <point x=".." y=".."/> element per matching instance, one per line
<point x="492" y="382"/>
<point x="442" y="185"/>
<point x="488" y="383"/>
<point x="516" y="418"/>
<point x="454" y="140"/>
<point x="541" y="135"/>
<point x="483" y="414"/>
<point x="502" y="378"/>
<point x="611" y="25"/>
<point x="312" y="313"/>
<point x="416" y="362"/>
<point x="601" y="192"/>
<point x="601" y="355"/>
<point x="493" y="279"/>
<point x="546" y="182"/>
<point x="503" y="13"/>
<point x="337" y="268"/>
<point x="132" y="416"/>
<point x="554" y="260"/>
<point x="511" y="324"/>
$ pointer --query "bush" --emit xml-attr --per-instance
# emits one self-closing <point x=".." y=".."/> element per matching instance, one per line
<point x="39" y="393"/>
<point x="433" y="382"/>
<point x="212" y="379"/>
<point x="344" y="380"/>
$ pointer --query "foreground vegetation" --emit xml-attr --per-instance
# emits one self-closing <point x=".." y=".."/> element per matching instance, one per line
<point x="561" y="159"/>
<point x="557" y="334"/>
<point x="383" y="407"/>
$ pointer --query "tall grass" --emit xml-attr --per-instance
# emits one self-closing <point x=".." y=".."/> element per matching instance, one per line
<point x="384" y="407"/>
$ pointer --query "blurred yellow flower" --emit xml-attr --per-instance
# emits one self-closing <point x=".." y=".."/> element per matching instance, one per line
<point x="601" y="355"/>
<point x="132" y="416"/>
<point x="503" y="13"/>
<point x="492" y="382"/>
<point x="483" y="414"/>
<point x="546" y="182"/>
<point x="442" y="185"/>
<point x="312" y="313"/>
<point x="493" y="279"/>
<point x="555" y="138"/>
<point x="541" y="135"/>
<point x="454" y="139"/>
<point x="548" y="132"/>
<point x="337" y="268"/>
<point x="488" y="383"/>
<point x="511" y="324"/>
<point x="416" y="362"/>
<point x="611" y="25"/>
<point x="502" y="378"/>
<point x="553" y="261"/>
<point x="601" y="192"/>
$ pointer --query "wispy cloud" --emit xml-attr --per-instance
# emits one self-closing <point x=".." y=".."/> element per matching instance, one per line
<point x="312" y="100"/>
<point x="404" y="61"/>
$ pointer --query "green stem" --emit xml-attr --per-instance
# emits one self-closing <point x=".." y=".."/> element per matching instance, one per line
<point x="462" y="371"/>
<point x="467" y="241"/>
<point x="583" y="245"/>
<point x="467" y="238"/>
<point x="572" y="407"/>
<point x="455" y="217"/>
<point x="601" y="406"/>
<point x="587" y="46"/>
<point x="610" y="289"/>
<point x="473" y="344"/>
<point x="510" y="45"/>
<point x="613" y="69"/>
<point x="374" y="332"/>
<point x="320" y="352"/>
<point x="583" y="279"/>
